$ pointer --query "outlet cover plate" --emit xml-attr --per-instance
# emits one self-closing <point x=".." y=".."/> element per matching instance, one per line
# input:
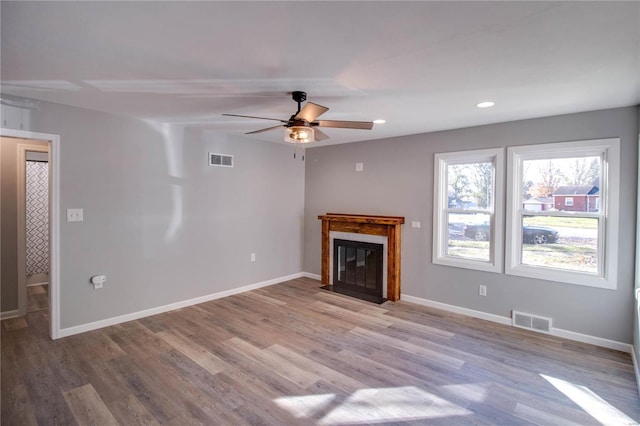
<point x="75" y="215"/>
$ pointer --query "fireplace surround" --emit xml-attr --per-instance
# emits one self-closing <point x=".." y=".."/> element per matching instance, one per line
<point x="385" y="226"/>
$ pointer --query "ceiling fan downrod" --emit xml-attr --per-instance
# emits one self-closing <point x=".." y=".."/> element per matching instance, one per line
<point x="299" y="97"/>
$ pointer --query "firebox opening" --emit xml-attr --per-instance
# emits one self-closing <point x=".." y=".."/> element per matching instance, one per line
<point x="358" y="269"/>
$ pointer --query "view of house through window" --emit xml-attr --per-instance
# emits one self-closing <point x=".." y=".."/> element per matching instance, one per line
<point x="562" y="209"/>
<point x="561" y="214"/>
<point x="560" y="201"/>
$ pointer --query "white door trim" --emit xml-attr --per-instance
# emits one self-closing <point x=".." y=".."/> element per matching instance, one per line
<point x="635" y="351"/>
<point x="54" y="221"/>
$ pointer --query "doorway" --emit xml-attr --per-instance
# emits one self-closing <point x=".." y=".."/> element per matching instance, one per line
<point x="29" y="225"/>
<point x="36" y="231"/>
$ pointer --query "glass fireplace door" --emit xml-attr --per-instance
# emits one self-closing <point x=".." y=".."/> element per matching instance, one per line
<point x="357" y="267"/>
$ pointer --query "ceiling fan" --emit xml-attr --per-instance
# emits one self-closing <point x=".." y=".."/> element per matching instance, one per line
<point x="302" y="127"/>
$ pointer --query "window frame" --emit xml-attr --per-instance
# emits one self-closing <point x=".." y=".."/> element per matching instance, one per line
<point x="442" y="209"/>
<point x="608" y="216"/>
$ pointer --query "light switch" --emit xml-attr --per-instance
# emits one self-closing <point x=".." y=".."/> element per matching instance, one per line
<point x="359" y="167"/>
<point x="98" y="281"/>
<point x="75" y="215"/>
<point x="415" y="224"/>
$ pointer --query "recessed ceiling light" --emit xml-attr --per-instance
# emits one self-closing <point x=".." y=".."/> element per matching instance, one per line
<point x="379" y="121"/>
<point x="486" y="104"/>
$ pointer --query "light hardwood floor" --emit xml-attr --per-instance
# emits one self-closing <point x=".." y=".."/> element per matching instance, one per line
<point x="295" y="354"/>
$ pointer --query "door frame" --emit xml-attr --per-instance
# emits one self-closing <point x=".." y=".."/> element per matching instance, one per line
<point x="23" y="148"/>
<point x="635" y="346"/>
<point x="54" y="221"/>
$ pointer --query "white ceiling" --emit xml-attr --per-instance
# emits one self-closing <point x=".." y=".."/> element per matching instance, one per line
<point x="422" y="66"/>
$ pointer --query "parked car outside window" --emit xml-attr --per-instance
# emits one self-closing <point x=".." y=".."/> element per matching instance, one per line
<point x="530" y="234"/>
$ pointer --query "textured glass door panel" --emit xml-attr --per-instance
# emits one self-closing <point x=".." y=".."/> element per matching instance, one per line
<point x="372" y="269"/>
<point x="351" y="265"/>
<point x="360" y="267"/>
<point x="342" y="263"/>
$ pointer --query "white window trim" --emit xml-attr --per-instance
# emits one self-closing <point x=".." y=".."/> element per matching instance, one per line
<point x="608" y="254"/>
<point x="441" y="204"/>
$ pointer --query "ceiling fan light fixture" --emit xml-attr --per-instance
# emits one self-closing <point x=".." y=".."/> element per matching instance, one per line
<point x="299" y="134"/>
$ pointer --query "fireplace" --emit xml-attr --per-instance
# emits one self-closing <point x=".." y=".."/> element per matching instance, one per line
<point x="357" y="269"/>
<point x="385" y="230"/>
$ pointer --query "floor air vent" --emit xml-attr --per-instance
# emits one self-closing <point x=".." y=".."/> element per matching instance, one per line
<point x="220" y="160"/>
<point x="531" y="322"/>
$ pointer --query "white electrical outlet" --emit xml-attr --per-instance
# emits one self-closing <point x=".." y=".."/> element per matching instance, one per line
<point x="482" y="290"/>
<point x="359" y="167"/>
<point x="75" y="215"/>
<point x="253" y="257"/>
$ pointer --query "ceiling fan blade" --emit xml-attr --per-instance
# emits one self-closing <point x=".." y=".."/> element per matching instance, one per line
<point x="364" y="125"/>
<point x="263" y="130"/>
<point x="251" y="116"/>
<point x="311" y="111"/>
<point x="319" y="135"/>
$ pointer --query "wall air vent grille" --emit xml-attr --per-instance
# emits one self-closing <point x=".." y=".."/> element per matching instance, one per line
<point x="531" y="322"/>
<point x="220" y="160"/>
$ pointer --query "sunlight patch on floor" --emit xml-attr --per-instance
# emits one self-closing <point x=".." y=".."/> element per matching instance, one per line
<point x="590" y="402"/>
<point x="469" y="391"/>
<point x="305" y="406"/>
<point x="373" y="406"/>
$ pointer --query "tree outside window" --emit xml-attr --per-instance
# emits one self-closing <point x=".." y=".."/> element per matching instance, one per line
<point x="466" y="222"/>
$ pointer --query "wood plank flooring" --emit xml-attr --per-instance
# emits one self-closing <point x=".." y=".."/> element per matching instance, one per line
<point x="295" y="354"/>
<point x="37" y="297"/>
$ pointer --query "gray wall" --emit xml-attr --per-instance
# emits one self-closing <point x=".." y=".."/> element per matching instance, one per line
<point x="398" y="180"/>
<point x="164" y="227"/>
<point x="158" y="221"/>
<point x="9" y="222"/>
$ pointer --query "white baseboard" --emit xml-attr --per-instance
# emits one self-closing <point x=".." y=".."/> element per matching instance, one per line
<point x="456" y="309"/>
<point x="70" y="331"/>
<point x="636" y="368"/>
<point x="312" y="276"/>
<point x="593" y="340"/>
<point x="9" y="314"/>
<point x="558" y="332"/>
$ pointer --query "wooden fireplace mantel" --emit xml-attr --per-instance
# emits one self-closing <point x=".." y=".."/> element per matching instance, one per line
<point x="386" y="226"/>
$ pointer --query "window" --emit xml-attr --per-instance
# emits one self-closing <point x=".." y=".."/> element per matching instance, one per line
<point x="575" y="241"/>
<point x="467" y="225"/>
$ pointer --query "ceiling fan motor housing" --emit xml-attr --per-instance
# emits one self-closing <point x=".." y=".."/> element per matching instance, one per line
<point x="299" y="96"/>
<point x="293" y="121"/>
